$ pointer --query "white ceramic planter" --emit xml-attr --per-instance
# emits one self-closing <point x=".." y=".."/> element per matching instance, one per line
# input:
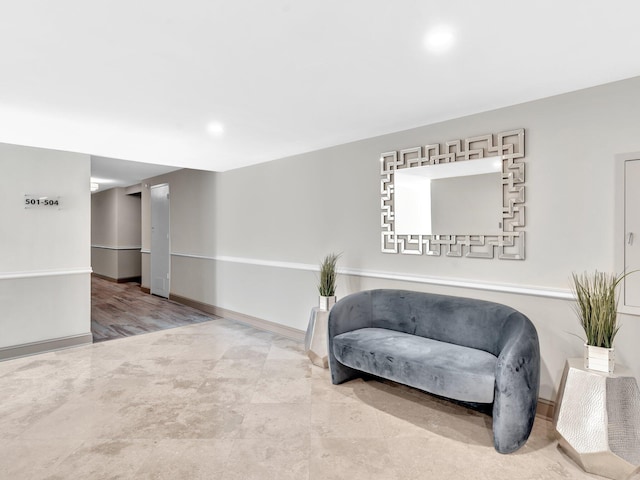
<point x="600" y="359"/>
<point x="325" y="303"/>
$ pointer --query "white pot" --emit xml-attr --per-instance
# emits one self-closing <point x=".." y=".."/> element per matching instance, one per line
<point x="600" y="359"/>
<point x="325" y="303"/>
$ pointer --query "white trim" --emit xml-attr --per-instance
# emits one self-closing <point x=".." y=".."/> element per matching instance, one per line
<point x="44" y="273"/>
<point x="460" y="283"/>
<point x="145" y="250"/>
<point x="620" y="236"/>
<point x="126" y="247"/>
<point x="253" y="261"/>
<point x="400" y="277"/>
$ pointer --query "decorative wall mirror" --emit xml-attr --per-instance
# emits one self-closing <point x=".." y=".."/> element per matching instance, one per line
<point x="465" y="198"/>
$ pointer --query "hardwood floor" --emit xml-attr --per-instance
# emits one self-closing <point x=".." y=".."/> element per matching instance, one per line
<point x="122" y="310"/>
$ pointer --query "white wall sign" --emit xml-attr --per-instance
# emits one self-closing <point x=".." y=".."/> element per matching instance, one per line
<point x="50" y="202"/>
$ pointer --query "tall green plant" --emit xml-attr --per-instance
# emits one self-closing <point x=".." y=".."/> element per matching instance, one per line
<point x="328" y="275"/>
<point x="597" y="306"/>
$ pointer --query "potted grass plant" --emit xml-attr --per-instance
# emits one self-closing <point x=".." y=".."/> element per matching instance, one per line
<point x="597" y="309"/>
<point x="327" y="281"/>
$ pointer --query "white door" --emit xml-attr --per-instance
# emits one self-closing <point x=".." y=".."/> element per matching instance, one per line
<point x="160" y="241"/>
<point x="632" y="232"/>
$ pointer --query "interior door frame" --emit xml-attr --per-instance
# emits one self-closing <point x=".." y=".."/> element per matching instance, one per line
<point x="154" y="251"/>
<point x="620" y="236"/>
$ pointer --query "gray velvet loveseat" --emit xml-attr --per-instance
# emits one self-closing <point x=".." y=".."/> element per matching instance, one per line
<point x="464" y="349"/>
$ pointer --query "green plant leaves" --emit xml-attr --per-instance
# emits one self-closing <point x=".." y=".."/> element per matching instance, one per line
<point x="597" y="306"/>
<point x="328" y="275"/>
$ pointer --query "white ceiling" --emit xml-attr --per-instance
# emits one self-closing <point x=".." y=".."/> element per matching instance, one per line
<point x="142" y="80"/>
<point x="111" y="172"/>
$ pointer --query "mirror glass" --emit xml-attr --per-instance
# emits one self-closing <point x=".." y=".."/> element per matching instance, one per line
<point x="457" y="198"/>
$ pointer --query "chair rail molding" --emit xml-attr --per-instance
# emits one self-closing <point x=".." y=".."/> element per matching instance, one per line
<point x="562" y="294"/>
<point x="115" y="247"/>
<point x="45" y="273"/>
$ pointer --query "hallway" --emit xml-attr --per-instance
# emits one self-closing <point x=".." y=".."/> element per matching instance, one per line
<point x="123" y="310"/>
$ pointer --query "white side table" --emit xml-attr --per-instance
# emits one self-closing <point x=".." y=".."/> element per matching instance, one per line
<point x="597" y="419"/>
<point x="315" y="341"/>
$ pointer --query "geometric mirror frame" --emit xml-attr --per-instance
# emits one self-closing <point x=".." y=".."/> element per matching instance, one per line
<point x="508" y="243"/>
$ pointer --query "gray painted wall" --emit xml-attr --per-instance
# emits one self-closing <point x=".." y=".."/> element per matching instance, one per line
<point x="44" y="265"/>
<point x="255" y="225"/>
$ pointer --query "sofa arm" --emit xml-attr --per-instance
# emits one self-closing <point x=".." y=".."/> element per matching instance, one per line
<point x="350" y="313"/>
<point x="517" y="384"/>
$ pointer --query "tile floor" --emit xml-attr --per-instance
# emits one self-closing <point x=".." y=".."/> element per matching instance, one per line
<point x="220" y="400"/>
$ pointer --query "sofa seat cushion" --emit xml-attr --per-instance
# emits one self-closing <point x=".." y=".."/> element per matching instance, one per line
<point x="441" y="368"/>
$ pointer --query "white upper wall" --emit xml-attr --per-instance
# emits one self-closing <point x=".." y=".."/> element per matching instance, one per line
<point x="299" y="208"/>
<point x="44" y="239"/>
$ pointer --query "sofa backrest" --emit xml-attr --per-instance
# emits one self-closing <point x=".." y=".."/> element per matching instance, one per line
<point x="464" y="321"/>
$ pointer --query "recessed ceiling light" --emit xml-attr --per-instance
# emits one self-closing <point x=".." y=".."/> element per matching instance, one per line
<point x="439" y="39"/>
<point x="215" y="128"/>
